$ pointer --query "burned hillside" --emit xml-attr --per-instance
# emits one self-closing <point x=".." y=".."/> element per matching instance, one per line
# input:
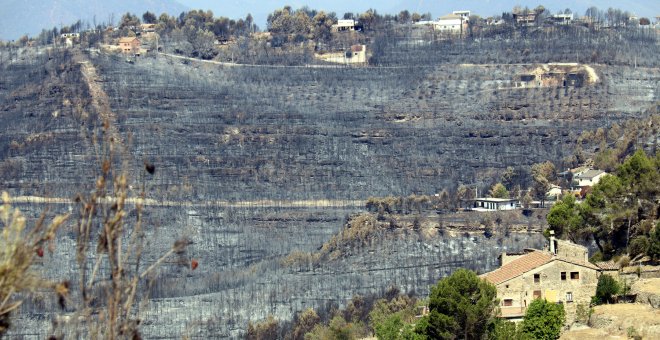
<point x="254" y="163"/>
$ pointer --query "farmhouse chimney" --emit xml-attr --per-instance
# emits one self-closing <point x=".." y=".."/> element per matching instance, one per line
<point x="553" y="246"/>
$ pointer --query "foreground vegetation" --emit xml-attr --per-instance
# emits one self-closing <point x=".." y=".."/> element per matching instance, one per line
<point x="460" y="306"/>
<point x="620" y="213"/>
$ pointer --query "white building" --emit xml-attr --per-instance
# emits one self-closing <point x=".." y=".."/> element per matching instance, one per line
<point x="344" y="25"/>
<point x="562" y="19"/>
<point x="463" y="14"/>
<point x="588" y="178"/>
<point x="451" y="24"/>
<point x="494" y="204"/>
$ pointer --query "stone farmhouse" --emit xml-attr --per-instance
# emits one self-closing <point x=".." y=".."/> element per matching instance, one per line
<point x="561" y="273"/>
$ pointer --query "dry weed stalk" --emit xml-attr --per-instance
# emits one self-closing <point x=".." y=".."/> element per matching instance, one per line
<point x="108" y="308"/>
<point x="18" y="251"/>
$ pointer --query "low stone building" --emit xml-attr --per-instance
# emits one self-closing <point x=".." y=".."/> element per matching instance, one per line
<point x="129" y="45"/>
<point x="561" y="273"/>
<point x="356" y="55"/>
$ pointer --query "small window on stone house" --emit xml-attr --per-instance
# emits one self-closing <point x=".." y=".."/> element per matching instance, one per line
<point x="569" y="296"/>
<point x="575" y="275"/>
<point x="563" y="276"/>
<point x="537" y="278"/>
<point x="507" y="302"/>
<point x="537" y="294"/>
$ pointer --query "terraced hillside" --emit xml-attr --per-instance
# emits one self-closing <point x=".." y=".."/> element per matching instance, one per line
<point x="234" y="146"/>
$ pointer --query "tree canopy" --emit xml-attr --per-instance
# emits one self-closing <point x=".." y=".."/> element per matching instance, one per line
<point x="461" y="307"/>
<point x="544" y="320"/>
<point x="621" y="207"/>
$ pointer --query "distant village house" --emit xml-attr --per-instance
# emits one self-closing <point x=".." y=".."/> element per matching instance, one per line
<point x="588" y="178"/>
<point x="494" y="204"/>
<point x="524" y="17"/>
<point x="148" y="28"/>
<point x="357" y="54"/>
<point x="562" y="18"/>
<point x="129" y="45"/>
<point x="343" y="25"/>
<point x="452" y="24"/>
<point x="70" y="38"/>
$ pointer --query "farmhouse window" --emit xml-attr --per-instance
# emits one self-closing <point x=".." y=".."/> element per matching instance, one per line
<point x="563" y="276"/>
<point x="508" y="302"/>
<point x="575" y="275"/>
<point x="537" y="278"/>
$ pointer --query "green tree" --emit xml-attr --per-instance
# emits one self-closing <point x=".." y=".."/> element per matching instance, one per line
<point x="505" y="330"/>
<point x="305" y="322"/>
<point x="322" y="24"/>
<point x="543" y="320"/>
<point x="461" y="307"/>
<point x="606" y="289"/>
<point x="391" y="318"/>
<point x="654" y="243"/>
<point x="498" y="191"/>
<point x="603" y="212"/>
<point x="565" y="219"/>
<point x="129" y="20"/>
<point x="338" y="329"/>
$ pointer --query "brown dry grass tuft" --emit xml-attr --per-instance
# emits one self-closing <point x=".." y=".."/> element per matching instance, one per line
<point x="18" y="251"/>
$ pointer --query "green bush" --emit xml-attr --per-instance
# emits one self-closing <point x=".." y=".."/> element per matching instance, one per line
<point x="606" y="289"/>
<point x="461" y="307"/>
<point x="544" y="320"/>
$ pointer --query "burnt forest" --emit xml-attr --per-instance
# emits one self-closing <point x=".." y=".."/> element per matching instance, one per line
<point x="263" y="162"/>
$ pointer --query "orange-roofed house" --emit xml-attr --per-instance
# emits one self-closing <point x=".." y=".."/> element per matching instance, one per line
<point x="561" y="274"/>
<point x="129" y="45"/>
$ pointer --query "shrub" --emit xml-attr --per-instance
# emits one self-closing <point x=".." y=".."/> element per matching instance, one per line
<point x="462" y="304"/>
<point x="606" y="289"/>
<point x="544" y="320"/>
<point x="18" y="251"/>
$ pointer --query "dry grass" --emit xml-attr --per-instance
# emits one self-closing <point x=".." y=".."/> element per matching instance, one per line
<point x="18" y="251"/>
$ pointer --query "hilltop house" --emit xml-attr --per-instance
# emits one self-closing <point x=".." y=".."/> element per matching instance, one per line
<point x="588" y="178"/>
<point x="562" y="18"/>
<point x="344" y="25"/>
<point x="494" y="204"/>
<point x="524" y="17"/>
<point x="561" y="273"/>
<point x="148" y="28"/>
<point x="463" y="14"/>
<point x="129" y="45"/>
<point x="554" y="193"/>
<point x="70" y="38"/>
<point x="452" y="24"/>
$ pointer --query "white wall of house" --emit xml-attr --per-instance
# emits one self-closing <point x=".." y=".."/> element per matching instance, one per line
<point x="448" y="25"/>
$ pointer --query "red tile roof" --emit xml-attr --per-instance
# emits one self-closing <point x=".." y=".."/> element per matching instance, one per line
<point x="526" y="263"/>
<point x="608" y="265"/>
<point x="518" y="267"/>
